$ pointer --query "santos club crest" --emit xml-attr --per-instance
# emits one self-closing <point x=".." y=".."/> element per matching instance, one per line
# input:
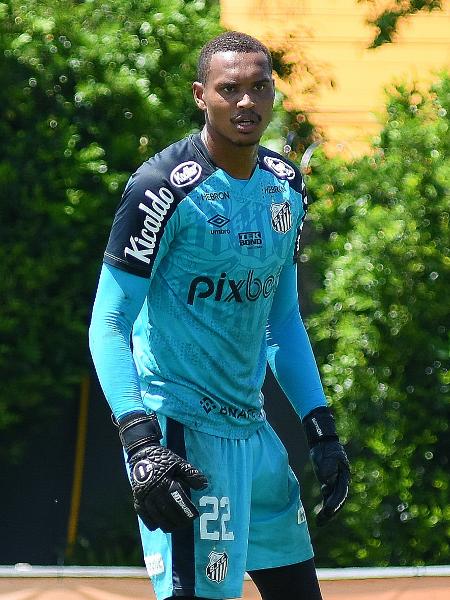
<point x="281" y="217"/>
<point x="217" y="568"/>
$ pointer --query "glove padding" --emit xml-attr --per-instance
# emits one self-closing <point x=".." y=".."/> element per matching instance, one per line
<point x="332" y="469"/>
<point x="329" y="460"/>
<point x="158" y="478"/>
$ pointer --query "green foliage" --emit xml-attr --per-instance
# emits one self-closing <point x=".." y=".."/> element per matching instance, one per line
<point x="381" y="332"/>
<point x="88" y="91"/>
<point x="387" y="21"/>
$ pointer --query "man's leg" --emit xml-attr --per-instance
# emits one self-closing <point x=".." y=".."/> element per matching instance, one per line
<point x="296" y="582"/>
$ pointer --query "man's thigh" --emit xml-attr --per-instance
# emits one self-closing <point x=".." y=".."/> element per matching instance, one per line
<point x="208" y="559"/>
<point x="278" y="534"/>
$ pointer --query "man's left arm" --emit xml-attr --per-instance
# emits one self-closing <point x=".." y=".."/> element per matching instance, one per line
<point x="292" y="361"/>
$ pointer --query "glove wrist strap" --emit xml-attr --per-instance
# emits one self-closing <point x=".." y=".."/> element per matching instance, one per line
<point x="319" y="426"/>
<point x="139" y="429"/>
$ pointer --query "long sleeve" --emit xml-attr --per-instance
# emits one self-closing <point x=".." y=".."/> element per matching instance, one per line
<point x="119" y="299"/>
<point x="289" y="351"/>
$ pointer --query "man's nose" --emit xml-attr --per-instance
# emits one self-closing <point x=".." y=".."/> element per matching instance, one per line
<point x="246" y="101"/>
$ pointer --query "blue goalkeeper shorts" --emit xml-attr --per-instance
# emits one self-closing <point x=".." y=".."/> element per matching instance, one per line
<point x="251" y="516"/>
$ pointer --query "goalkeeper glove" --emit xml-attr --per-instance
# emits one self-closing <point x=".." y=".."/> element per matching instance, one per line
<point x="329" y="460"/>
<point x="159" y="477"/>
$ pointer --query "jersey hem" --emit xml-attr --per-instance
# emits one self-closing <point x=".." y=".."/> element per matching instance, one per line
<point x="274" y="563"/>
<point x="229" y="432"/>
<point x="178" y="591"/>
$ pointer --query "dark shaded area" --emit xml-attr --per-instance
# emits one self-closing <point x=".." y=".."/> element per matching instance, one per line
<point x="35" y="498"/>
<point x="37" y="506"/>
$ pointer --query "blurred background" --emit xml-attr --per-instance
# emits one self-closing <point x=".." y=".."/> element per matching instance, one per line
<point x="88" y="90"/>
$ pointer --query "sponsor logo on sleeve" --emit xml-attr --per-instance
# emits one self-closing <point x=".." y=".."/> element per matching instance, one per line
<point x="281" y="217"/>
<point x="279" y="167"/>
<point x="304" y="194"/>
<point x="185" y="173"/>
<point x="217" y="568"/>
<point x="143" y="245"/>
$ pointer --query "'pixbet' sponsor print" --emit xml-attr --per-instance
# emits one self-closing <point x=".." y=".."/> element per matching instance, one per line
<point x="228" y="289"/>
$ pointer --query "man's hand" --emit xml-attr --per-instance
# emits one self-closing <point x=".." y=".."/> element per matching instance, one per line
<point x="159" y="477"/>
<point x="330" y="461"/>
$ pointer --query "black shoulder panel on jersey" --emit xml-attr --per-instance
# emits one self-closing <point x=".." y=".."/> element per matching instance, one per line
<point x="283" y="168"/>
<point x="151" y="197"/>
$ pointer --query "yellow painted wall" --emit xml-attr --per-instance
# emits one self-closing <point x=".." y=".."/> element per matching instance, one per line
<point x="333" y="37"/>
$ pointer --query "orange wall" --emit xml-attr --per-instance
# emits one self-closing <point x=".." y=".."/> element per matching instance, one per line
<point x="332" y="36"/>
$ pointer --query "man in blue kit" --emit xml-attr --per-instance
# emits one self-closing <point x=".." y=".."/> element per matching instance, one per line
<point x="200" y="270"/>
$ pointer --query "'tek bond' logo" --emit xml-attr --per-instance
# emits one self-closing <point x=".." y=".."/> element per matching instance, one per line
<point x="143" y="246"/>
<point x="226" y="289"/>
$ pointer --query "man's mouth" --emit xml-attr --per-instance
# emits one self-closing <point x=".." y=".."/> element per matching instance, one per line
<point x="246" y="123"/>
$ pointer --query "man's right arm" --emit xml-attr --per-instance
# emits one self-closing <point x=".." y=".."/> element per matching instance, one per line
<point x="119" y="299"/>
<point x="159" y="478"/>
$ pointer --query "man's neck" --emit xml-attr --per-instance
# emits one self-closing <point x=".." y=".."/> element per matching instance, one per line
<point x="237" y="161"/>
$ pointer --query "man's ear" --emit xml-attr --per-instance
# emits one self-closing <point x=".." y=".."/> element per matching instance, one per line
<point x="198" y="90"/>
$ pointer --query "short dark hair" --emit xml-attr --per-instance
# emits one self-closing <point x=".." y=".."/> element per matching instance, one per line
<point x="233" y="41"/>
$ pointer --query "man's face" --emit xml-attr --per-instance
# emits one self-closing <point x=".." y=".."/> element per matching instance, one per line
<point x="237" y="97"/>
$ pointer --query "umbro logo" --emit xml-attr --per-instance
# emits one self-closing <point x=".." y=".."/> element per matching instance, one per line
<point x="219" y="221"/>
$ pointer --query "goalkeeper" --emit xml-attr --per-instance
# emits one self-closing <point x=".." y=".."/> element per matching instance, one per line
<point x="200" y="274"/>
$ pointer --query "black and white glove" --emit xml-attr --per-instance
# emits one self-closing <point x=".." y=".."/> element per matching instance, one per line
<point x="159" y="477"/>
<point x="329" y="460"/>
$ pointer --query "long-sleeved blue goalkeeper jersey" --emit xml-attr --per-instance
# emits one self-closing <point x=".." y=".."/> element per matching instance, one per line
<point x="212" y="250"/>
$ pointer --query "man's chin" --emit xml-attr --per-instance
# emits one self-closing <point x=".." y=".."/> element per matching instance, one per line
<point x="245" y="142"/>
